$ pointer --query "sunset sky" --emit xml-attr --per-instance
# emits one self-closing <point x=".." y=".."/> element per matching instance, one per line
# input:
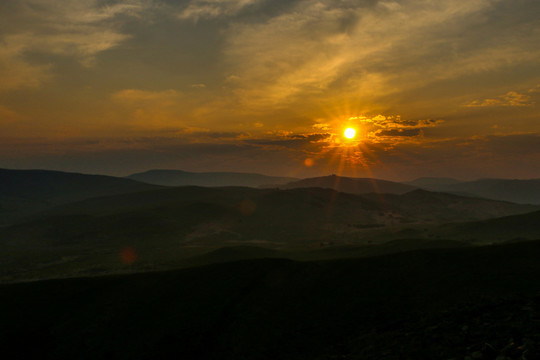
<point x="432" y="87"/>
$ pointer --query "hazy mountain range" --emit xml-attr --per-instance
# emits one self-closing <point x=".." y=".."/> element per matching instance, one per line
<point x="174" y="226"/>
<point x="184" y="178"/>
<point x="26" y="192"/>
<point x="519" y="191"/>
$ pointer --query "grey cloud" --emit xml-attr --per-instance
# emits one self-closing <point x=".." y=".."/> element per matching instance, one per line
<point x="296" y="141"/>
<point x="208" y="9"/>
<point x="81" y="29"/>
<point x="514" y="144"/>
<point x="387" y="48"/>
<point x="511" y="98"/>
<point x="399" y="132"/>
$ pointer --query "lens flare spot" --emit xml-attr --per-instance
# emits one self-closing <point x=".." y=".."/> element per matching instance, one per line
<point x="128" y="255"/>
<point x="309" y="162"/>
<point x="350" y="133"/>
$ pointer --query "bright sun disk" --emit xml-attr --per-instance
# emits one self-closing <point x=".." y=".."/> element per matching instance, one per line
<point x="349" y="133"/>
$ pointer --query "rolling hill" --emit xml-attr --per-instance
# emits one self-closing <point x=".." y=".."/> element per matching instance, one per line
<point x="444" y="207"/>
<point x="185" y="178"/>
<point x="515" y="227"/>
<point x="168" y="226"/>
<point x="518" y="191"/>
<point x="26" y="192"/>
<point x="350" y="185"/>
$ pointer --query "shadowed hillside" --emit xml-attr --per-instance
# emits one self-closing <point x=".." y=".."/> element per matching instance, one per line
<point x="419" y="305"/>
<point x="447" y="207"/>
<point x="518" y="191"/>
<point x="166" y="227"/>
<point x="25" y="192"/>
<point x="183" y="178"/>
<point x="516" y="227"/>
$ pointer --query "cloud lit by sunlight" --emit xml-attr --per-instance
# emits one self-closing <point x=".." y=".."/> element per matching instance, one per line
<point x="234" y="80"/>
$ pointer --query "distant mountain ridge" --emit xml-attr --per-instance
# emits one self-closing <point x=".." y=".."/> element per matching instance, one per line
<point x="432" y="182"/>
<point x="211" y="179"/>
<point x="351" y="185"/>
<point x="513" y="190"/>
<point x="23" y="192"/>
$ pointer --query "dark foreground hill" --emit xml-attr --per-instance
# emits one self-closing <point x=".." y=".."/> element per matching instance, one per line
<point x="351" y="185"/>
<point x="481" y="303"/>
<point x="25" y="192"/>
<point x="185" y="178"/>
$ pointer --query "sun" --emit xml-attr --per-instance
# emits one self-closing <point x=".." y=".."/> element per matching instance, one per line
<point x="349" y="133"/>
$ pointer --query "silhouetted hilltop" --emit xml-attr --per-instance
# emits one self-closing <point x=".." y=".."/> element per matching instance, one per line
<point x="350" y="185"/>
<point x="24" y="192"/>
<point x="184" y="178"/>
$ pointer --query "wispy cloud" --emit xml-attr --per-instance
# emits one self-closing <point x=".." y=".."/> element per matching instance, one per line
<point x="14" y="71"/>
<point x="81" y="29"/>
<point x="150" y="110"/>
<point x="511" y="98"/>
<point x="366" y="49"/>
<point x="197" y="9"/>
<point x="8" y="116"/>
<point x="137" y="96"/>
